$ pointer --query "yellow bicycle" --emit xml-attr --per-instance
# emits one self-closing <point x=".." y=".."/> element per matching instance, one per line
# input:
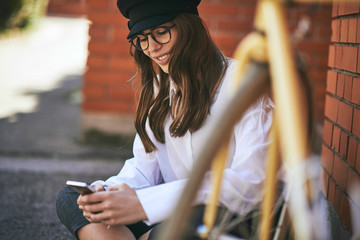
<point x="266" y="61"/>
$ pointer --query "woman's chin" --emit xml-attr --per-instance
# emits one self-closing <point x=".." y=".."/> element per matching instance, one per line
<point x="165" y="68"/>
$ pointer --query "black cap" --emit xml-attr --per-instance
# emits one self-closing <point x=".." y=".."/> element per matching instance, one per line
<point x="144" y="14"/>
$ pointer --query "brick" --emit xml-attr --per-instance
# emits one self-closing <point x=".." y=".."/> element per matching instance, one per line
<point x="97" y="5"/>
<point x="339" y="57"/>
<point x="107" y="18"/>
<point x="331" y="58"/>
<point x="325" y="182"/>
<point x="331" y="107"/>
<point x="235" y="2"/>
<point x="209" y="10"/>
<point x="320" y="17"/>
<point x="327" y="159"/>
<point x="336" y="138"/>
<point x="97" y="32"/>
<point x="358" y="32"/>
<point x="96" y="62"/>
<point x="322" y="32"/>
<point x="348" y="87"/>
<point x="234" y="26"/>
<point x="313" y="46"/>
<point x="121" y="94"/>
<point x="345" y="115"/>
<point x="351" y="152"/>
<point x="107" y="77"/>
<point x="349" y="58"/>
<point x="331" y="81"/>
<point x="339" y="196"/>
<point x="69" y="8"/>
<point x="122" y="63"/>
<point x="106" y="48"/>
<point x="352" y="30"/>
<point x="247" y="12"/>
<point x="327" y="132"/>
<point x="93" y="92"/>
<point x="351" y="7"/>
<point x="341" y="10"/>
<point x="225" y="41"/>
<point x="340" y="85"/>
<point x="357" y="164"/>
<point x="120" y="35"/>
<point x="321" y="61"/>
<point x="358" y="61"/>
<point x="108" y="106"/>
<point x="356" y="123"/>
<point x="344" y="30"/>
<point x="112" y="6"/>
<point x="355" y="95"/>
<point x="317" y="75"/>
<point x="335" y="8"/>
<point x="344" y="212"/>
<point x="344" y="138"/>
<point x="331" y="195"/>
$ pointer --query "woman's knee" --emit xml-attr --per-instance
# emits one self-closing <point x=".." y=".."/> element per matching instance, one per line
<point x="68" y="210"/>
<point x="66" y="205"/>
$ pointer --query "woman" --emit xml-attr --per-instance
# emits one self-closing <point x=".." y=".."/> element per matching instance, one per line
<point x="185" y="80"/>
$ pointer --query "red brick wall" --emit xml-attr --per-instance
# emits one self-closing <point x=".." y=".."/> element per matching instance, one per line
<point x="67" y="7"/>
<point x="341" y="139"/>
<point x="106" y="88"/>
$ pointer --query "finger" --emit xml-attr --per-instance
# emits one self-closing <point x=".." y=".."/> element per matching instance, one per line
<point x="94" y="208"/>
<point x="104" y="217"/>
<point x="120" y="186"/>
<point x="79" y="200"/>
<point x="92" y="198"/>
<point x="89" y="217"/>
<point x="99" y="187"/>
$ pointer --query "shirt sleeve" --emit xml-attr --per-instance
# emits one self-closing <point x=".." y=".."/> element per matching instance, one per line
<point x="242" y="183"/>
<point x="159" y="201"/>
<point x="140" y="171"/>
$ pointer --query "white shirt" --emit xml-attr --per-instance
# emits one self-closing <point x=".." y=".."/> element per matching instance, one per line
<point x="159" y="177"/>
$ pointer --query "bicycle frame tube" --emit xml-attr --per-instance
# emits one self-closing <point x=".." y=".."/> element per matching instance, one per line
<point x="272" y="166"/>
<point x="287" y="95"/>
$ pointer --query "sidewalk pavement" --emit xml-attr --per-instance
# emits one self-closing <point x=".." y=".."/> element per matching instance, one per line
<point x="40" y="80"/>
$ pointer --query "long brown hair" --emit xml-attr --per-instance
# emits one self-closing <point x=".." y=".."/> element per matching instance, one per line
<point x="196" y="67"/>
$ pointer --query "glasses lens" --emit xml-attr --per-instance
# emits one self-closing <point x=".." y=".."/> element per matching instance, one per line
<point x="140" y="42"/>
<point x="162" y="35"/>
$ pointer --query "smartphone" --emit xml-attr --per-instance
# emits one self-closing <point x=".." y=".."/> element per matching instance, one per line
<point x="80" y="187"/>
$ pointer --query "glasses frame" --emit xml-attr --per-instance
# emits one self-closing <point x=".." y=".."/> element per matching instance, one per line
<point x="146" y="35"/>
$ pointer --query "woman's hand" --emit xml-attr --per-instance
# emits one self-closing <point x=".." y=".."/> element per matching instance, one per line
<point x="118" y="205"/>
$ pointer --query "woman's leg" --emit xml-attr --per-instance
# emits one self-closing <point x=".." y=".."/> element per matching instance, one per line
<point x="72" y="217"/>
<point x="95" y="231"/>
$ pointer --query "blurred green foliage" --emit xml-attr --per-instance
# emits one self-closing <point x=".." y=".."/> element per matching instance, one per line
<point x="20" y="14"/>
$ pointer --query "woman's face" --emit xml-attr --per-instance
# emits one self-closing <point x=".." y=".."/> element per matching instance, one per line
<point x="160" y="53"/>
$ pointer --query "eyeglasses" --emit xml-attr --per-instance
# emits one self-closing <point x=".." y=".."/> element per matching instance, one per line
<point x="161" y="35"/>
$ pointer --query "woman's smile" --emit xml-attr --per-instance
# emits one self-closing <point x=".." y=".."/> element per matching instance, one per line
<point x="162" y="59"/>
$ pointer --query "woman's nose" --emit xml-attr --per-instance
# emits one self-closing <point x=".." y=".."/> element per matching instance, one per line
<point x="153" y="45"/>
